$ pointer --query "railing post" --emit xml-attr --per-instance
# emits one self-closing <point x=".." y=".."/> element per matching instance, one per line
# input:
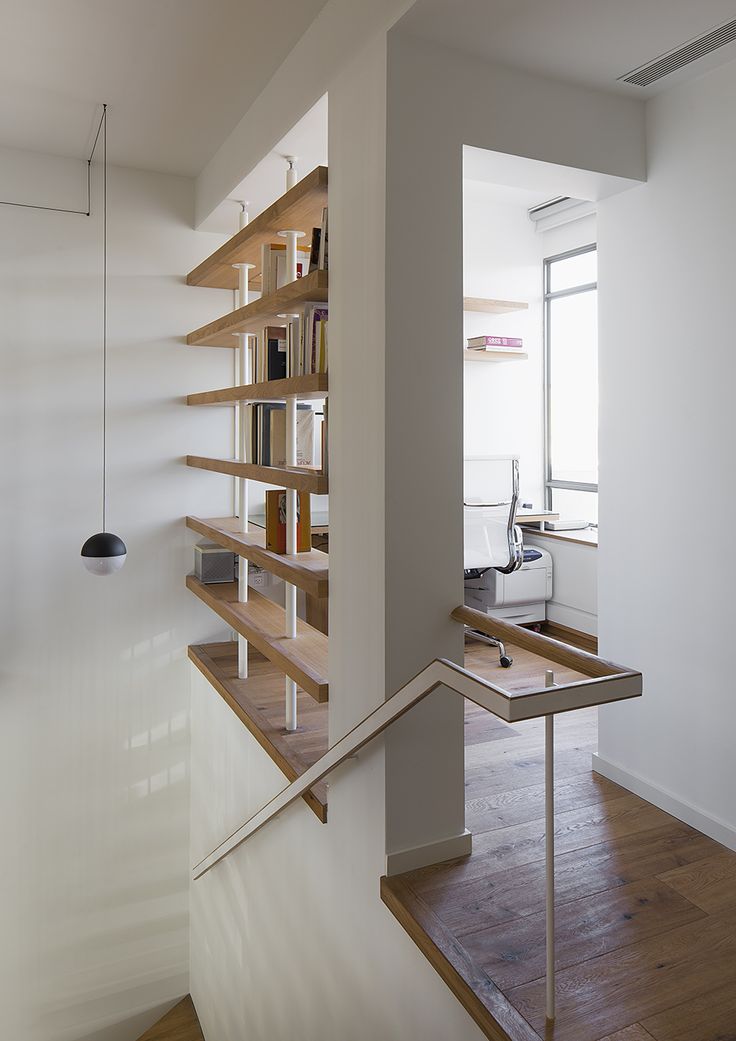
<point x="549" y="850"/>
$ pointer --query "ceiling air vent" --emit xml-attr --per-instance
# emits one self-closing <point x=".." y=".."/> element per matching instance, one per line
<point x="674" y="60"/>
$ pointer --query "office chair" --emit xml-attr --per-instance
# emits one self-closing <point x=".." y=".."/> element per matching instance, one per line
<point x="492" y="539"/>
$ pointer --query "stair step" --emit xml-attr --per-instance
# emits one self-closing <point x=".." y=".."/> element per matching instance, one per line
<point x="258" y="702"/>
<point x="262" y="623"/>
<point x="179" y="1024"/>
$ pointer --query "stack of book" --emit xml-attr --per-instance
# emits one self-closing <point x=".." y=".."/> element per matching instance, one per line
<point x="512" y="344"/>
<point x="265" y="434"/>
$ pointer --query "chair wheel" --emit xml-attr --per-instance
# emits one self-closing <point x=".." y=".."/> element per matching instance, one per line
<point x="506" y="662"/>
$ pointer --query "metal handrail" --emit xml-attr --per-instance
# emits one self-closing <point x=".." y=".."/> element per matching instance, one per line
<point x="605" y="682"/>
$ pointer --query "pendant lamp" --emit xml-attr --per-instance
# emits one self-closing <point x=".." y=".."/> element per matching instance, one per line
<point x="104" y="553"/>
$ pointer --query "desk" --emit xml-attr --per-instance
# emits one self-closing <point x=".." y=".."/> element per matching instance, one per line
<point x="537" y="517"/>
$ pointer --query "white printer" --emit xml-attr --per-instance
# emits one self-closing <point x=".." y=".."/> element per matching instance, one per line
<point x="520" y="597"/>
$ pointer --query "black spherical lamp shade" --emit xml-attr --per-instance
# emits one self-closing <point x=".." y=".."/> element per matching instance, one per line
<point x="104" y="553"/>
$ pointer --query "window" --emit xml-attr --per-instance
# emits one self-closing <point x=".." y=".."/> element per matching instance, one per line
<point x="571" y="383"/>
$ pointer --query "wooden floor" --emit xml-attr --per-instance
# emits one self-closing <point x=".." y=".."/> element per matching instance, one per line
<point x="646" y="906"/>
<point x="180" y="1024"/>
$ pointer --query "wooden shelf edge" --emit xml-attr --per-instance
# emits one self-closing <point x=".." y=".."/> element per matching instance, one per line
<point x="221" y="332"/>
<point x="301" y="479"/>
<point x="497" y="356"/>
<point x="273" y="740"/>
<point x="285" y="654"/>
<point x="216" y="270"/>
<point x="312" y="579"/>
<point x="305" y="388"/>
<point x="487" y="305"/>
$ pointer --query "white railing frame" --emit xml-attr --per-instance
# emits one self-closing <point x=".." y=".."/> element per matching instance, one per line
<point x="544" y="701"/>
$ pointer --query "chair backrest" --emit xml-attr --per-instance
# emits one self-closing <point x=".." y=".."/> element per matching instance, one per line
<point x="491" y="536"/>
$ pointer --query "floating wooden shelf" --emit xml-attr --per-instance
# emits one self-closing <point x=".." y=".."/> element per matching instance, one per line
<point x="306" y="388"/>
<point x="252" y="317"/>
<point x="258" y="702"/>
<point x="282" y="476"/>
<point x="308" y="570"/>
<point x="495" y="355"/>
<point x="300" y="209"/>
<point x="262" y="623"/>
<point x="479" y="303"/>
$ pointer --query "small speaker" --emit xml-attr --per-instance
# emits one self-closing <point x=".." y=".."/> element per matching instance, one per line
<point x="214" y="564"/>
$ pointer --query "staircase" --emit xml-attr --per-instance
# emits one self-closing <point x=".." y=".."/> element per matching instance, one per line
<point x="179" y="1024"/>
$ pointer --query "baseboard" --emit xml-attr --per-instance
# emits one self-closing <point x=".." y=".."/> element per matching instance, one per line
<point x="572" y="617"/>
<point x="433" y="853"/>
<point x="575" y="637"/>
<point x="711" y="826"/>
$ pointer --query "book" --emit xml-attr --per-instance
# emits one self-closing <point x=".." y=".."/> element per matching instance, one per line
<point x="323" y="258"/>
<point x="276" y="522"/>
<point x="275" y="436"/>
<point x="274" y="337"/>
<point x="481" y="342"/>
<point x="273" y="266"/>
<point x="314" y="252"/>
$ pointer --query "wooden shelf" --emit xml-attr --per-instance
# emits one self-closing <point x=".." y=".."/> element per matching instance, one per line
<point x="306" y="388"/>
<point x="258" y="702"/>
<point x="252" y="317"/>
<point x="495" y="355"/>
<point x="281" y="476"/>
<point x="300" y="209"/>
<point x="308" y="570"/>
<point x="262" y="623"/>
<point x="480" y="303"/>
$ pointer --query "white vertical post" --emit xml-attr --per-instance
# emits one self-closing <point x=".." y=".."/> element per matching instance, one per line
<point x="291" y="547"/>
<point x="291" y="171"/>
<point x="244" y="377"/>
<point x="549" y="850"/>
<point x="292" y="238"/>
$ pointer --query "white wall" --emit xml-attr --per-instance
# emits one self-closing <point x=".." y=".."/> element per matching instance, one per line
<point x="94" y="701"/>
<point x="667" y="376"/>
<point x="503" y="410"/>
<point x="289" y="935"/>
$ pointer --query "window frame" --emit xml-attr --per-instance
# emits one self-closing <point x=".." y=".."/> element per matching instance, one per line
<point x="550" y="483"/>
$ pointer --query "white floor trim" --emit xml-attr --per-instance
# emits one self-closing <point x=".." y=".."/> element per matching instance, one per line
<point x="713" y="827"/>
<point x="432" y="853"/>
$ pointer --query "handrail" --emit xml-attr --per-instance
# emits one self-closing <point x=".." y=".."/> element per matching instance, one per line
<point x="509" y="706"/>
<point x="605" y="682"/>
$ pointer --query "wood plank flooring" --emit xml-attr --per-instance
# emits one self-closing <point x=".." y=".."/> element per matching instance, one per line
<point x="646" y="906"/>
<point x="179" y="1024"/>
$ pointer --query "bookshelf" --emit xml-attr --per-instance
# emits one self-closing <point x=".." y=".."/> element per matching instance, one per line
<point x="488" y="306"/>
<point x="252" y="317"/>
<point x="491" y="355"/>
<point x="300" y="207"/>
<point x="272" y="641"/>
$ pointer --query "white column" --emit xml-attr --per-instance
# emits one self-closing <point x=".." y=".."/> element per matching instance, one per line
<point x="549" y="850"/>
<point x="292" y="238"/>
<point x="291" y="172"/>
<point x="244" y="378"/>
<point x="291" y="547"/>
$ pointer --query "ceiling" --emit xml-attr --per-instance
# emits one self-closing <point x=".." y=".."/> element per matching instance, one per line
<point x="177" y="75"/>
<point x="590" y="42"/>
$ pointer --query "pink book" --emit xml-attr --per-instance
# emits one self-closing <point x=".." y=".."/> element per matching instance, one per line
<point x="495" y="341"/>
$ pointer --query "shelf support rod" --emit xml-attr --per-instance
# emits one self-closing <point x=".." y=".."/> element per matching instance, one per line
<point x="244" y="377"/>
<point x="549" y="851"/>
<point x="291" y="548"/>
